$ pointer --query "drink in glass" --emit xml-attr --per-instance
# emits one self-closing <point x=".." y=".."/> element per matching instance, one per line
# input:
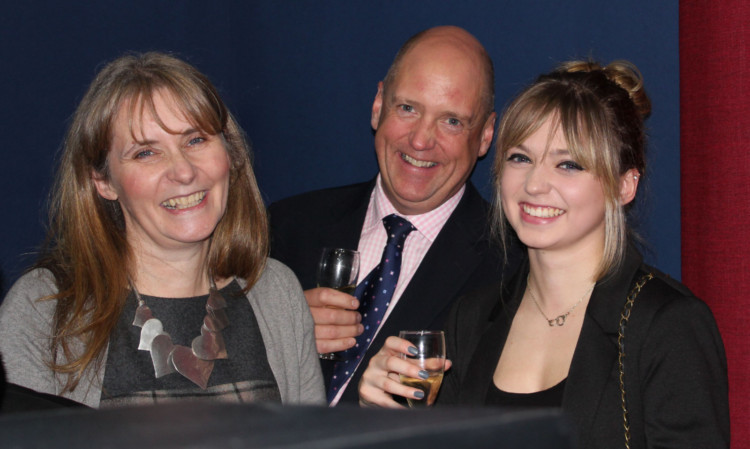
<point x="431" y="358"/>
<point x="338" y="269"/>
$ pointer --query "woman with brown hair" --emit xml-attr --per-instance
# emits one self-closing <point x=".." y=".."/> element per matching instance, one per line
<point x="630" y="355"/>
<point x="155" y="283"/>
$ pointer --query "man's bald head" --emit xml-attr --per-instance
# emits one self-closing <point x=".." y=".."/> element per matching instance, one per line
<point x="449" y="38"/>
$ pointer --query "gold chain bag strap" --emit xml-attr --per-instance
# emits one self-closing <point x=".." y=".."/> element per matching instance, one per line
<point x="624" y="317"/>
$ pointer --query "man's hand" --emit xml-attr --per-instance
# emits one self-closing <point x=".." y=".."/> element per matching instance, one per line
<point x="337" y="321"/>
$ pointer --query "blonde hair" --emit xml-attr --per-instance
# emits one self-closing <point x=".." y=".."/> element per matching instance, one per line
<point x="86" y="247"/>
<point x="601" y="112"/>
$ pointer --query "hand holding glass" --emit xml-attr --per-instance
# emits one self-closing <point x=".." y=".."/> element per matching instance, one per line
<point x="430" y="357"/>
<point x="338" y="269"/>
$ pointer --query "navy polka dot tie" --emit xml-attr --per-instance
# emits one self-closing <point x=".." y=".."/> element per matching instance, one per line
<point x="374" y="294"/>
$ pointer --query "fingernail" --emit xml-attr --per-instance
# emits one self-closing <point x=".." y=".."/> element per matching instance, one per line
<point x="355" y="304"/>
<point x="419" y="394"/>
<point x="413" y="350"/>
<point x="360" y="329"/>
<point x="424" y="374"/>
<point x="359" y="318"/>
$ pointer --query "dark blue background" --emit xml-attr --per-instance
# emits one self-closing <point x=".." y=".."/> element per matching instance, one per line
<point x="300" y="76"/>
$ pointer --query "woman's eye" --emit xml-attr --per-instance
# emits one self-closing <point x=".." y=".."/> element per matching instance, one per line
<point x="143" y="154"/>
<point x="517" y="157"/>
<point x="196" y="140"/>
<point x="570" y="165"/>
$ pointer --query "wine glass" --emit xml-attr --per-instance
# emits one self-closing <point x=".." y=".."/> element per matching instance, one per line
<point x="338" y="269"/>
<point x="431" y="358"/>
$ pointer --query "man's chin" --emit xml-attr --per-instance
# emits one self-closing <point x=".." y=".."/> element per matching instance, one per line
<point x="416" y="203"/>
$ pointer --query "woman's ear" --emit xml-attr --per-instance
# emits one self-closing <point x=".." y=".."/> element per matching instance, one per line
<point x="628" y="186"/>
<point x="103" y="186"/>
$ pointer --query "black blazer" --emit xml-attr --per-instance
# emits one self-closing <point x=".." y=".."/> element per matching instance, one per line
<point x="675" y="366"/>
<point x="461" y="258"/>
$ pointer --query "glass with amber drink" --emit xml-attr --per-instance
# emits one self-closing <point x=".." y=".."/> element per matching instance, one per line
<point x="430" y="357"/>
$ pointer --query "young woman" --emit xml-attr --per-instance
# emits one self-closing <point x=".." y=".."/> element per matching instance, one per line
<point x="155" y="283"/>
<point x="570" y="158"/>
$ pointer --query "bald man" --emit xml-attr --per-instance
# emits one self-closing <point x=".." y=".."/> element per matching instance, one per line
<point x="433" y="117"/>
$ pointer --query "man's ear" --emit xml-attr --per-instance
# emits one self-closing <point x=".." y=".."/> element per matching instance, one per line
<point x="487" y="132"/>
<point x="103" y="187"/>
<point x="628" y="186"/>
<point x="377" y="107"/>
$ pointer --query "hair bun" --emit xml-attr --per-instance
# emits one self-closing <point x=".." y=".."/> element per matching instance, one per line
<point x="623" y="73"/>
<point x="626" y="75"/>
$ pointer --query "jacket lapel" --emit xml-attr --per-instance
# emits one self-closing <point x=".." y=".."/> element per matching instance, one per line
<point x="486" y="356"/>
<point x="344" y="227"/>
<point x="438" y="281"/>
<point x="596" y="352"/>
<point x="443" y="272"/>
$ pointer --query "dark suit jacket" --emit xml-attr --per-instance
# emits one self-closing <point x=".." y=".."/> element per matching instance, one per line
<point x="460" y="259"/>
<point x="675" y="366"/>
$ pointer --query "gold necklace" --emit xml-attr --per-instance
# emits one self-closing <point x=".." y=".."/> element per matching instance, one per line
<point x="560" y="319"/>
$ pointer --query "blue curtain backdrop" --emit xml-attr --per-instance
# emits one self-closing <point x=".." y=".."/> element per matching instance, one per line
<point x="300" y="76"/>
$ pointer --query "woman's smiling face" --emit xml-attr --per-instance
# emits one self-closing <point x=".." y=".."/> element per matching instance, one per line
<point x="549" y="199"/>
<point x="170" y="178"/>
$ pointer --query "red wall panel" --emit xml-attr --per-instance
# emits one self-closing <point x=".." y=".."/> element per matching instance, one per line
<point x="715" y="177"/>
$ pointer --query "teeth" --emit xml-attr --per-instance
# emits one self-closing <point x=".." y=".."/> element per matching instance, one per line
<point x="542" y="212"/>
<point x="416" y="162"/>
<point x="184" y="202"/>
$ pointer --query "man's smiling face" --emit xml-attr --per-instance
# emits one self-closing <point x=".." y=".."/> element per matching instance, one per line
<point x="430" y="126"/>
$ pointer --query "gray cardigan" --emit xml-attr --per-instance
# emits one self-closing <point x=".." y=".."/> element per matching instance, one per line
<point x="277" y="301"/>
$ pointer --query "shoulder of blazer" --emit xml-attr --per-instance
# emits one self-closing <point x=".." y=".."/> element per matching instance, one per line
<point x="473" y="209"/>
<point x="301" y="225"/>
<point x="325" y="202"/>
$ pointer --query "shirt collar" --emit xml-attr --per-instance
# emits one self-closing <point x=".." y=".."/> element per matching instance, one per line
<point x="428" y="224"/>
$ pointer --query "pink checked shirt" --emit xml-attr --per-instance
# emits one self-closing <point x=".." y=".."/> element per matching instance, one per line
<point x="373" y="238"/>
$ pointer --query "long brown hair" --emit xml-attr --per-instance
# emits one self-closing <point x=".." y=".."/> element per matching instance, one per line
<point x="86" y="247"/>
<point x="600" y="111"/>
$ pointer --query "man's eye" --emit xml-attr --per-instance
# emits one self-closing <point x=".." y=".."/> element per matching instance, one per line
<point x="454" y="122"/>
<point x="406" y="107"/>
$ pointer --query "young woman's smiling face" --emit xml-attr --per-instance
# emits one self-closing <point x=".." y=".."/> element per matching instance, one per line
<point x="549" y="199"/>
<point x="171" y="181"/>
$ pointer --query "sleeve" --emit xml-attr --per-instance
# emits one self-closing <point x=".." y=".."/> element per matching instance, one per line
<point x="684" y="375"/>
<point x="288" y="333"/>
<point x="25" y="332"/>
<point x="312" y="391"/>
